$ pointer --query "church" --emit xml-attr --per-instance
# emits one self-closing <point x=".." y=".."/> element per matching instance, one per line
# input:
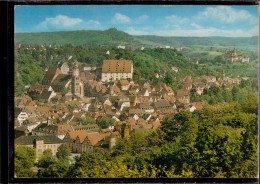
<point x="68" y="82"/>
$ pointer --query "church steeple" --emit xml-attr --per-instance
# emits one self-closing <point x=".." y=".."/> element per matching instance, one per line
<point x="77" y="87"/>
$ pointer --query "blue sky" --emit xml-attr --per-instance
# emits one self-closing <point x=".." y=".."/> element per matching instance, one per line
<point x="188" y="20"/>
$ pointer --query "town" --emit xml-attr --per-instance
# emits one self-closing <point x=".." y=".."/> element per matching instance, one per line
<point x="87" y="106"/>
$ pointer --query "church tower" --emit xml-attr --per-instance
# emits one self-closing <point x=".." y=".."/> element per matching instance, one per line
<point x="112" y="141"/>
<point x="77" y="87"/>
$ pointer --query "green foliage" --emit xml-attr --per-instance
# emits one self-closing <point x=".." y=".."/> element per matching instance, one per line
<point x="87" y="121"/>
<point x="105" y="122"/>
<point x="50" y="166"/>
<point x="24" y="161"/>
<point x="63" y="152"/>
<point x="173" y="126"/>
<point x="27" y="71"/>
<point x="46" y="159"/>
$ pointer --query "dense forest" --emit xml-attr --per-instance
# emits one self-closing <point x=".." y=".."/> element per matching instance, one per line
<point x="218" y="141"/>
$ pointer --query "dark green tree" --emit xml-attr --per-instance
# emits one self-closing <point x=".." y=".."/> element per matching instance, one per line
<point x="105" y="122"/>
<point x="63" y="152"/>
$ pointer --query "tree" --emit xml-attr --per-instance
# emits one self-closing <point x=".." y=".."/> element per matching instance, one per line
<point x="251" y="103"/>
<point x="234" y="92"/>
<point x="173" y="125"/>
<point x="87" y="121"/>
<point x="63" y="152"/>
<point x="105" y="122"/>
<point x="138" y="142"/>
<point x="122" y="147"/>
<point x="24" y="161"/>
<point x="44" y="164"/>
<point x="168" y="78"/>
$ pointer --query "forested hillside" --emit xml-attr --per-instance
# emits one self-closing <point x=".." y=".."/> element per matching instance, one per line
<point x="147" y="63"/>
<point x="114" y="37"/>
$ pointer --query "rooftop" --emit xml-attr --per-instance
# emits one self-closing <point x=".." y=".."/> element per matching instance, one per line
<point x="117" y="66"/>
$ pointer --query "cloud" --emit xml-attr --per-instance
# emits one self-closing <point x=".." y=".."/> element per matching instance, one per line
<point x="176" y="19"/>
<point x="226" y="14"/>
<point x="143" y="17"/>
<point x="63" y="22"/>
<point x="120" y="18"/>
<point x="195" y="30"/>
<point x="134" y="31"/>
<point x="60" y="21"/>
<point x="208" y="31"/>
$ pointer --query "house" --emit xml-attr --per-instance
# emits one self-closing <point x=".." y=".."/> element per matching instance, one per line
<point x="90" y="67"/>
<point x="86" y="76"/>
<point x="146" y="107"/>
<point x="39" y="91"/>
<point x="143" y="92"/>
<point x="163" y="106"/>
<point x="50" y="75"/>
<point x="20" y="115"/>
<point x="46" y="96"/>
<point x="113" y="70"/>
<point x="88" y="128"/>
<point x="115" y="91"/>
<point x="171" y="99"/>
<point x="64" y="68"/>
<point x="168" y="90"/>
<point x="40" y="143"/>
<point x="38" y="88"/>
<point x="183" y="96"/>
<point x="58" y="130"/>
<point x="125" y="129"/>
<point x="31" y="123"/>
<point x="124" y="84"/>
<point x="121" y="47"/>
<point x="200" y="88"/>
<point x="80" y="141"/>
<point x="23" y="101"/>
<point x="61" y="83"/>
<point x="175" y="69"/>
<point x="197" y="106"/>
<point x="122" y="105"/>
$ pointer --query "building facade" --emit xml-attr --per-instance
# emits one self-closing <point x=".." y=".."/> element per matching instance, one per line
<point x="40" y="143"/>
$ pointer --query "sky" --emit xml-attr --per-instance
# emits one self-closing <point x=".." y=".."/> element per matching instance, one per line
<point x="160" y="20"/>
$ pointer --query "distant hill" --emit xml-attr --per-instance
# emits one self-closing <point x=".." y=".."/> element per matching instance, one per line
<point x="206" y="41"/>
<point x="114" y="37"/>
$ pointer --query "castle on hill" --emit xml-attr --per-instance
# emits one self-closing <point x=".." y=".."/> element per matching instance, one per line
<point x="233" y="56"/>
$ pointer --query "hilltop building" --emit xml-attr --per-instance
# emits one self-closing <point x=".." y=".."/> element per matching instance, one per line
<point x="114" y="70"/>
<point x="233" y="56"/>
